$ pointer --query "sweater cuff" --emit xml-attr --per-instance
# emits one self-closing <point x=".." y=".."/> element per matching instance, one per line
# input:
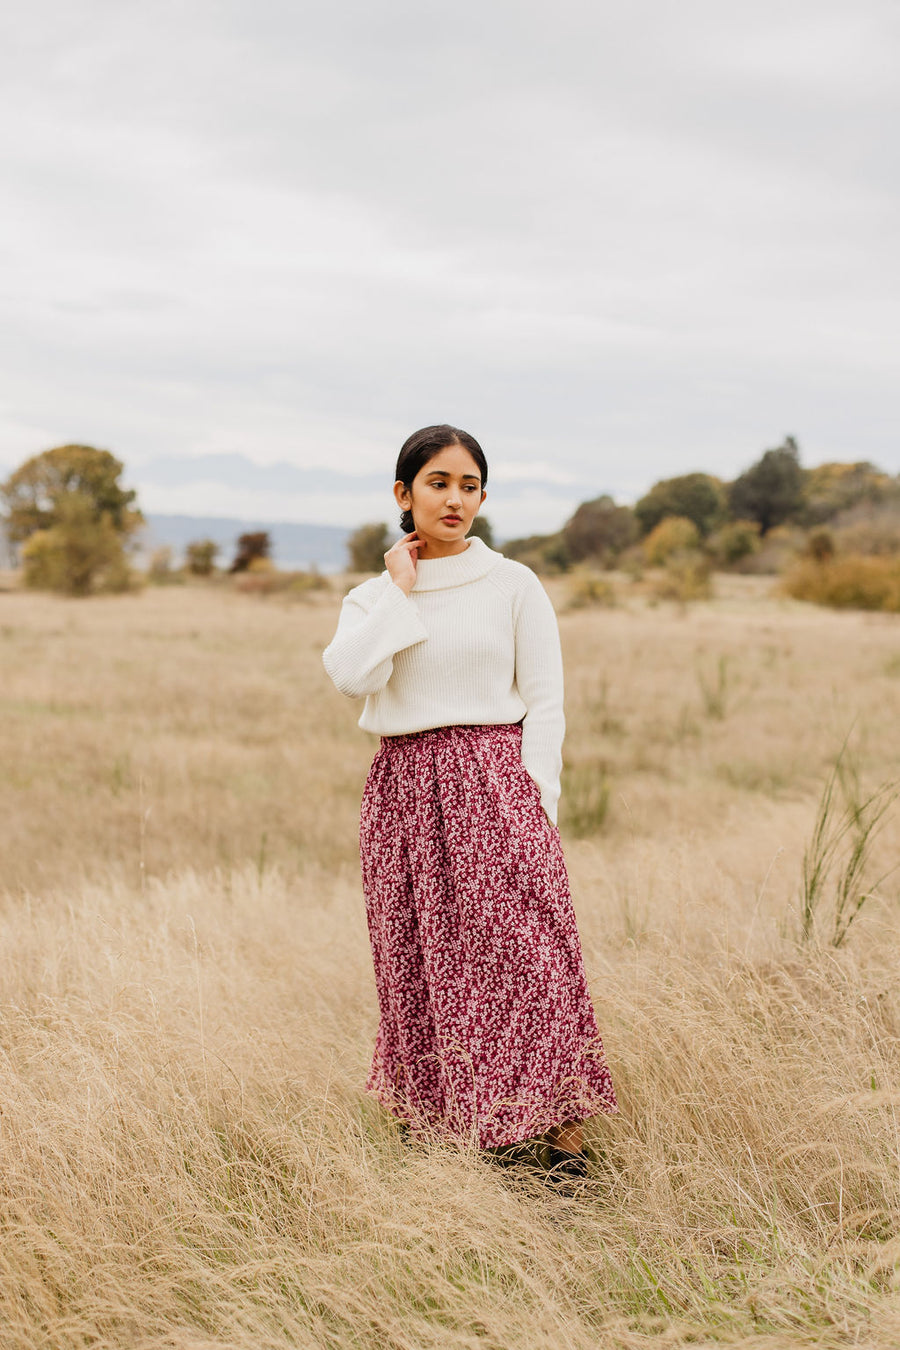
<point x="550" y="803"/>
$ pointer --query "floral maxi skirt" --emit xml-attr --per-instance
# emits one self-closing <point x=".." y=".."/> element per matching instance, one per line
<point x="486" y="1027"/>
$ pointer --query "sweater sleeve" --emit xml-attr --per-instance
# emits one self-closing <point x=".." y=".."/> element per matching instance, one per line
<point x="539" y="678"/>
<point x="370" y="633"/>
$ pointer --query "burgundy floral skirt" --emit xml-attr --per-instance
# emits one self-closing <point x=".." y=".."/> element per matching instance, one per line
<point x="486" y="1032"/>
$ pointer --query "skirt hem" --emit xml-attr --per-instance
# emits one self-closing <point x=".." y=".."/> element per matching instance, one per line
<point x="533" y="1123"/>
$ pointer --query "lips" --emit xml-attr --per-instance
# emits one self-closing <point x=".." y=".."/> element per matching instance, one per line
<point x="452" y="520"/>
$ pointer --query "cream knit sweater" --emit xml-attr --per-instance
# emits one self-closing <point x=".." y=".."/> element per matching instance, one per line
<point x="475" y="643"/>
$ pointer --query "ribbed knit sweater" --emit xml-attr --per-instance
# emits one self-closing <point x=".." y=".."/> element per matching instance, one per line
<point x="475" y="643"/>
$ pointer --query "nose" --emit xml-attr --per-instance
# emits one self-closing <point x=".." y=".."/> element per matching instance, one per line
<point x="454" y="496"/>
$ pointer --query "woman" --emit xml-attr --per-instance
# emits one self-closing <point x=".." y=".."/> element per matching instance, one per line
<point x="486" y="1030"/>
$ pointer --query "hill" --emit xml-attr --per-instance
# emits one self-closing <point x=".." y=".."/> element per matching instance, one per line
<point x="293" y="545"/>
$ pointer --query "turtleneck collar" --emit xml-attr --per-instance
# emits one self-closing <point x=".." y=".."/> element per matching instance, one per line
<point x="436" y="574"/>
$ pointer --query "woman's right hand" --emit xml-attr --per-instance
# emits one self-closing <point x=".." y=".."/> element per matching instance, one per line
<point x="401" y="560"/>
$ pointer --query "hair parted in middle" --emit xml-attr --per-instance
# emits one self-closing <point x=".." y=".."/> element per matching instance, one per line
<point x="421" y="447"/>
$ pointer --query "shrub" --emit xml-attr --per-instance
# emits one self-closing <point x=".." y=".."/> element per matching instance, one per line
<point x="872" y="531"/>
<point x="304" y="584"/>
<point x="734" y="542"/>
<point x="847" y="583"/>
<point x="200" y="557"/>
<point x="263" y="578"/>
<point x="544" y="553"/>
<point x="367" y="546"/>
<point x="820" y="545"/>
<point x="587" y="590"/>
<point x="688" y="576"/>
<point x="672" y="535"/>
<point x="159" y="568"/>
<point x="250" y="547"/>
<point x="632" y="562"/>
<point x="777" y="551"/>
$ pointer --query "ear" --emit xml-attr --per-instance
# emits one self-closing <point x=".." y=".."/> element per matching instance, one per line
<point x="481" y="503"/>
<point x="402" y="496"/>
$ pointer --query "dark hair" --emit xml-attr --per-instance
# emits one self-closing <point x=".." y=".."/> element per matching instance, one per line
<point x="422" y="446"/>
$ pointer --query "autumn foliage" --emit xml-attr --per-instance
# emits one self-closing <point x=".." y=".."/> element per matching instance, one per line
<point x="71" y="519"/>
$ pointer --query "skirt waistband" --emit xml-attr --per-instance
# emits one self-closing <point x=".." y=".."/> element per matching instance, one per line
<point x="463" y="729"/>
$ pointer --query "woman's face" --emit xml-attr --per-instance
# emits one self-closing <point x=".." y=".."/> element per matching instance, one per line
<point x="445" y="497"/>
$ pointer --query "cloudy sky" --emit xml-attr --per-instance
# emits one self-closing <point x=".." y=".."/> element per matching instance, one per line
<point x="249" y="245"/>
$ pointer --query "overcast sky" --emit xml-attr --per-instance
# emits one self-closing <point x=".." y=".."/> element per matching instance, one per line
<point x="614" y="241"/>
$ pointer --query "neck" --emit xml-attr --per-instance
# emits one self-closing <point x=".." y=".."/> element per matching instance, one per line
<point x="440" y="548"/>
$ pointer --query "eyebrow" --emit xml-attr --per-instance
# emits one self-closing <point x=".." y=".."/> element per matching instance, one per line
<point x="476" y="478"/>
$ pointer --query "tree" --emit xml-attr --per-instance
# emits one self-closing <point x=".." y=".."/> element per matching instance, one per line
<point x="833" y="488"/>
<point x="200" y="557"/>
<point x="599" y="529"/>
<point x="367" y="546"/>
<point x="541" y="552"/>
<point x="78" y="554"/>
<point x="482" y="529"/>
<point x="67" y="513"/>
<point x="771" y="490"/>
<point x="695" y="496"/>
<point x="34" y="493"/>
<point x="250" y="548"/>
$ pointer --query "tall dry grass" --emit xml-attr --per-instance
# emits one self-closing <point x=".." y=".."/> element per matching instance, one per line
<point x="185" y="1156"/>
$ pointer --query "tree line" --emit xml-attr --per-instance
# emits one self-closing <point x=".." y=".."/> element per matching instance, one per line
<point x="73" y="525"/>
<point x="727" y="520"/>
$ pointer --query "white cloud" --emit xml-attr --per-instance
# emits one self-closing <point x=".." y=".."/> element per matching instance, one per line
<point x="618" y="241"/>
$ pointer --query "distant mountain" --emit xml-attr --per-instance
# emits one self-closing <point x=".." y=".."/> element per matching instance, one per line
<point x="531" y="500"/>
<point x="293" y="546"/>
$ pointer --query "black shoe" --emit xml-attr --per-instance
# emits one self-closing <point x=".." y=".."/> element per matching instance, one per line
<point x="565" y="1166"/>
<point x="523" y="1156"/>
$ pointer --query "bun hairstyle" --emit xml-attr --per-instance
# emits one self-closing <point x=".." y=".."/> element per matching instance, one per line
<point x="422" y="446"/>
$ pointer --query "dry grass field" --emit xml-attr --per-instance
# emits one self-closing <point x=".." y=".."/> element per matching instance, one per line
<point x="186" y="1159"/>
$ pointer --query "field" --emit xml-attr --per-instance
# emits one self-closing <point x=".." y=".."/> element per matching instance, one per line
<point x="186" y="1159"/>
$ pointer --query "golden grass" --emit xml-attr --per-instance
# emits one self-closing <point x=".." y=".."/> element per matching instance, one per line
<point x="186" y="1159"/>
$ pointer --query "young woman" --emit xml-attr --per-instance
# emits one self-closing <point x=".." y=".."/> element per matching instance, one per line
<point x="486" y="1029"/>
